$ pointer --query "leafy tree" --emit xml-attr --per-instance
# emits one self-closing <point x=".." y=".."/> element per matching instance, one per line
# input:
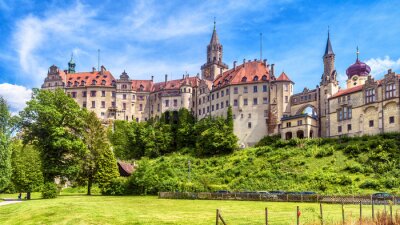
<point x="185" y="131"/>
<point x="229" y="118"/>
<point x="27" y="173"/>
<point x="7" y="127"/>
<point x="98" y="164"/>
<point x="54" y="123"/>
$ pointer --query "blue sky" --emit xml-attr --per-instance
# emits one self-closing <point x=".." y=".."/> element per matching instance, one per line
<point x="169" y="37"/>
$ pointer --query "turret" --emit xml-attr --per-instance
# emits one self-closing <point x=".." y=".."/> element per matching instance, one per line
<point x="71" y="65"/>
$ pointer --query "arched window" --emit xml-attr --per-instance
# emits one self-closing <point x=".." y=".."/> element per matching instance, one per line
<point x="124" y="86"/>
<point x="244" y="79"/>
<point x="103" y="82"/>
<point x="264" y="78"/>
<point x="94" y="82"/>
<point x="255" y="78"/>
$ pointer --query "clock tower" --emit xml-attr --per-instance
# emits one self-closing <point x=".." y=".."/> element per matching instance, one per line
<point x="214" y="65"/>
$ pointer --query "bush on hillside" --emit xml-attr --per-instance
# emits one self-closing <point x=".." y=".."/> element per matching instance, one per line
<point x="324" y="152"/>
<point x="370" y="184"/>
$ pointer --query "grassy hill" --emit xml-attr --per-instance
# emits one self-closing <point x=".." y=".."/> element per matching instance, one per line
<point x="332" y="166"/>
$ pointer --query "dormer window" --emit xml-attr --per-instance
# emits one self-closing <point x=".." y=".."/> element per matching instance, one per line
<point x="141" y="88"/>
<point x="244" y="79"/>
<point x="103" y="82"/>
<point x="255" y="78"/>
<point x="83" y="83"/>
<point x="390" y="90"/>
<point x="94" y="82"/>
<point x="76" y="83"/>
<point x="264" y="78"/>
<point x="69" y="84"/>
<point x="370" y="95"/>
<point x="113" y="83"/>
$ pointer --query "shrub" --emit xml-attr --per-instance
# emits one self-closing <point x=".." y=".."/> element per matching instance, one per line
<point x="354" y="168"/>
<point x="268" y="140"/>
<point x="324" y="152"/>
<point x="49" y="190"/>
<point x="369" y="184"/>
<point x="117" y="186"/>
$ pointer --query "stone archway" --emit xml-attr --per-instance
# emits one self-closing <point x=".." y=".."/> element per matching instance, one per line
<point x="300" y="134"/>
<point x="288" y="135"/>
<point x="307" y="109"/>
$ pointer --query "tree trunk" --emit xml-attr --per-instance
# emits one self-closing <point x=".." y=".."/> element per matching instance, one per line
<point x="28" y="196"/>
<point x="89" y="186"/>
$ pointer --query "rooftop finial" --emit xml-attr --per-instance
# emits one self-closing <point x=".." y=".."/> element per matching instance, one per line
<point x="328" y="32"/>
<point x="214" y="22"/>
<point x="358" y="52"/>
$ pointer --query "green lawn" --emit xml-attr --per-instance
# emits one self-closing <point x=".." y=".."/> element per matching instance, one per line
<point x="80" y="209"/>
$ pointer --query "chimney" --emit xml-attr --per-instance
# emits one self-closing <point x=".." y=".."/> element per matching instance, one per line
<point x="183" y="76"/>
<point x="102" y="69"/>
<point x="93" y="69"/>
<point x="265" y="62"/>
<point x="152" y="77"/>
<point x="234" y="65"/>
<point x="255" y="60"/>
<point x="166" y="78"/>
<point x="65" y="71"/>
<point x="244" y="61"/>
<point x="272" y="70"/>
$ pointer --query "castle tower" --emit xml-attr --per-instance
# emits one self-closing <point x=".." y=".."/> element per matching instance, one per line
<point x="186" y="93"/>
<point x="329" y="87"/>
<point x="71" y="65"/>
<point x="357" y="73"/>
<point x="214" y="63"/>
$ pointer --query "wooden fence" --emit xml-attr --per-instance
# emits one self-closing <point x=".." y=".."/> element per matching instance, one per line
<point x="333" y="199"/>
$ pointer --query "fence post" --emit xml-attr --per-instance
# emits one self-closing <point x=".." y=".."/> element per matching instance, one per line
<point x="373" y="210"/>
<point x="266" y="216"/>
<point x="217" y="217"/>
<point x="298" y="215"/>
<point x="322" y="216"/>
<point x="360" y="213"/>
<point x="342" y="213"/>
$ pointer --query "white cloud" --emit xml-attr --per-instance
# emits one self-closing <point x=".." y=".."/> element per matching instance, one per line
<point x="380" y="66"/>
<point x="15" y="95"/>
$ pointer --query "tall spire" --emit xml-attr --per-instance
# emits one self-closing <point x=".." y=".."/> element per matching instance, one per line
<point x="71" y="64"/>
<point x="358" y="52"/>
<point x="328" y="48"/>
<point x="214" y="37"/>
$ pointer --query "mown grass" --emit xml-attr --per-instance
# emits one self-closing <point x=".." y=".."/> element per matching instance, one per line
<point x="80" y="209"/>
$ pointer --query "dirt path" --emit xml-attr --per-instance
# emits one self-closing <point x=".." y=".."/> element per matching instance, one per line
<point x="9" y="202"/>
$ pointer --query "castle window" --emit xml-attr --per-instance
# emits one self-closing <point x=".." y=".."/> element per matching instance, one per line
<point x="76" y="83"/>
<point x="285" y="87"/>
<point x="255" y="101"/>
<point x="199" y="111"/>
<point x="245" y="101"/>
<point x="212" y="108"/>
<point x="217" y="95"/>
<point x="103" y="104"/>
<point x="93" y="94"/>
<point x="69" y="84"/>
<point x="348" y="127"/>
<point x="244" y="79"/>
<point x="227" y="103"/>
<point x="113" y="94"/>
<point x="265" y="100"/>
<point x="339" y="129"/>
<point x="124" y="96"/>
<point x="73" y="94"/>
<point x="212" y="97"/>
<point x="255" y="89"/>
<point x="391" y="119"/>
<point x="245" y="89"/>
<point x="222" y="93"/>
<point x="222" y="105"/>
<point x="123" y="86"/>
<point x="344" y="113"/>
<point x="113" y="83"/>
<point x="204" y="110"/>
<point x="217" y="106"/>
<point x="227" y="91"/>
<point x="265" y="88"/>
<point x="249" y="125"/>
<point x="288" y="124"/>
<point x="94" y="82"/>
<point x="255" y="78"/>
<point x="103" y="82"/>
<point x="235" y="90"/>
<point x="208" y="108"/>
<point x="93" y="104"/>
<point x="103" y="93"/>
<point x="200" y="101"/>
<point x="265" y="113"/>
<point x="140" y="107"/>
<point x="370" y="95"/>
<point x="158" y="107"/>
<point x="84" y="104"/>
<point x="235" y="102"/>
<point x="113" y="104"/>
<point x="184" y="90"/>
<point x="390" y="91"/>
<point x="167" y="103"/>
<point x="175" y="102"/>
<point x="371" y="123"/>
<point x="141" y="88"/>
<point x="299" y="122"/>
<point x="83" y="93"/>
<point x="286" y="99"/>
<point x="83" y="83"/>
<point x="264" y="78"/>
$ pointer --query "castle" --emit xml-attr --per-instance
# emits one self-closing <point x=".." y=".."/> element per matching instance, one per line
<point x="262" y="103"/>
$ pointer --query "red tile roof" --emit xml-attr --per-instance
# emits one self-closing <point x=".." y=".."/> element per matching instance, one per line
<point x="104" y="79"/>
<point x="125" y="169"/>
<point x="283" y="77"/>
<point x="348" y="91"/>
<point x="248" y="72"/>
<point x="146" y="84"/>
<point x="176" y="84"/>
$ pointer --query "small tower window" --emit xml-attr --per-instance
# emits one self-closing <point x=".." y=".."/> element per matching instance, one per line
<point x="264" y="78"/>
<point x="255" y="78"/>
<point x="103" y="82"/>
<point x="244" y="79"/>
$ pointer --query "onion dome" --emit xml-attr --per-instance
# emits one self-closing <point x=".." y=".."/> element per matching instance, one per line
<point x="358" y="68"/>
